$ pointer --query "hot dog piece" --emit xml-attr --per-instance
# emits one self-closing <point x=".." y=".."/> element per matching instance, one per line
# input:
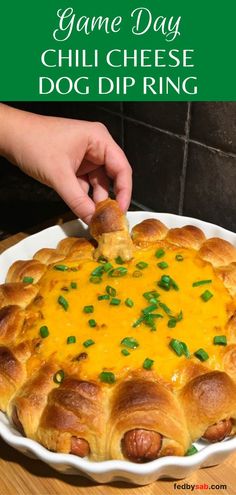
<point x="218" y="431"/>
<point x="79" y="447"/>
<point x="141" y="445"/>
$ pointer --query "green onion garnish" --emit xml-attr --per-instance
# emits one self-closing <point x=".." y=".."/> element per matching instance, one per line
<point x="151" y="294"/>
<point x="61" y="268"/>
<point x="94" y="279"/>
<point x="192" y="450"/>
<point x="125" y="352"/>
<point x="201" y="355"/>
<point x="149" y="309"/>
<point x="148" y="363"/>
<point x="159" y="253"/>
<point x="138" y="321"/>
<point x="107" y="377"/>
<point x="92" y="323"/>
<point x="141" y="265"/>
<point x="28" y="280"/>
<point x="129" y="302"/>
<point x="119" y="260"/>
<point x="201" y="282"/>
<point x="101" y="259"/>
<point x="166" y="283"/>
<point x="220" y="340"/>
<point x="88" y="343"/>
<point x="172" y="323"/>
<point x="88" y="309"/>
<point x="163" y="265"/>
<point x="130" y="342"/>
<point x="110" y="291"/>
<point x="179" y="257"/>
<point x="98" y="271"/>
<point x="59" y="376"/>
<point x="71" y="339"/>
<point x="206" y="296"/>
<point x="73" y="285"/>
<point x="63" y="302"/>
<point x="44" y="332"/>
<point x="107" y="267"/>
<point x="115" y="301"/>
<point x="165" y="308"/>
<point x="179" y="347"/>
<point x="103" y="297"/>
<point x="118" y="272"/>
<point x="137" y="274"/>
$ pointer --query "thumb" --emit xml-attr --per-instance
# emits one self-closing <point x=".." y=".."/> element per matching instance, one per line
<point x="78" y="201"/>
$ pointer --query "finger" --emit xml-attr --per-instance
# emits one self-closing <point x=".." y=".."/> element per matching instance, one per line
<point x="84" y="183"/>
<point x="100" y="184"/>
<point x="119" y="169"/>
<point x="75" y="197"/>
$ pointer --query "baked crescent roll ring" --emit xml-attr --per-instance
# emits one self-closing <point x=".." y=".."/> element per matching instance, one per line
<point x="122" y="346"/>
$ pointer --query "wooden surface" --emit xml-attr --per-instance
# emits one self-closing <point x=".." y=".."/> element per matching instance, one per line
<point x="22" y="476"/>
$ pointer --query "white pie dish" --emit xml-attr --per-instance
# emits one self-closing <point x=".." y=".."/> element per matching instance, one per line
<point x="107" y="471"/>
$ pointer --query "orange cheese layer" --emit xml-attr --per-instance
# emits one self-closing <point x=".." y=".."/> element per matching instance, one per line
<point x="200" y="323"/>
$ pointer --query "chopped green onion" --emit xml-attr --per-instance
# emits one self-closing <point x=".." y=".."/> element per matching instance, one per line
<point x="59" y="376"/>
<point x="44" y="332"/>
<point x="149" y="309"/>
<point x="115" y="301"/>
<point x="92" y="323"/>
<point x="138" y="321"/>
<point x="119" y="260"/>
<point x="110" y="291"/>
<point x="94" y="279"/>
<point x="201" y="282"/>
<point x="101" y="259"/>
<point x="172" y="323"/>
<point x="129" y="302"/>
<point x="148" y="363"/>
<point x="118" y="272"/>
<point x="159" y="253"/>
<point x="63" y="302"/>
<point x="88" y="343"/>
<point x="137" y="274"/>
<point x="130" y="342"/>
<point x="166" y="283"/>
<point x="73" y="285"/>
<point x="163" y="265"/>
<point x="107" y="377"/>
<point x="71" y="339"/>
<point x="88" y="309"/>
<point x="206" y="296"/>
<point x="220" y="340"/>
<point x="179" y="257"/>
<point x="191" y="451"/>
<point x="125" y="352"/>
<point x="151" y="294"/>
<point x="179" y="348"/>
<point x="201" y="355"/>
<point x="28" y="280"/>
<point x="61" y="268"/>
<point x="107" y="267"/>
<point x="141" y="265"/>
<point x="98" y="271"/>
<point x="103" y="297"/>
<point x="165" y="308"/>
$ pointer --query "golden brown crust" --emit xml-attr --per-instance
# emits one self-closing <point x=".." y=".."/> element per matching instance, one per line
<point x="148" y="232"/>
<point x="12" y="374"/>
<point x="75" y="248"/>
<point x="107" y="218"/>
<point x="19" y="294"/>
<point x="218" y="252"/>
<point x="48" y="256"/>
<point x="11" y="323"/>
<point x="188" y="237"/>
<point x="208" y="399"/>
<point x="143" y="402"/>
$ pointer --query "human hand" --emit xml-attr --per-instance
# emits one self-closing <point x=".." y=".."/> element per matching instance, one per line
<point x="67" y="155"/>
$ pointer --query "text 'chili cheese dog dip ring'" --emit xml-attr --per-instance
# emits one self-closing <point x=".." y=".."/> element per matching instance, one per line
<point x="123" y="348"/>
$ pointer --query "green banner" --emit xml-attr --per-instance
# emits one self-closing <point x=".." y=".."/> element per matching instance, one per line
<point x="140" y="50"/>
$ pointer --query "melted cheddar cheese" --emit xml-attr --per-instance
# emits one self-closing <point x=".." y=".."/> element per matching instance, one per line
<point x="199" y="320"/>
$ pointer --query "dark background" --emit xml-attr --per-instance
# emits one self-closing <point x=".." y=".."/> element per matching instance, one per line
<point x="183" y="157"/>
